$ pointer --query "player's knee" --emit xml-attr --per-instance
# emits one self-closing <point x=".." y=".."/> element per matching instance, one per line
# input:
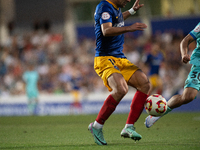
<point x="121" y="90"/>
<point x="146" y="87"/>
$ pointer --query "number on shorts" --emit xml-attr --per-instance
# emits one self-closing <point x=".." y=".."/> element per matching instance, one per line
<point x="112" y="61"/>
<point x="195" y="75"/>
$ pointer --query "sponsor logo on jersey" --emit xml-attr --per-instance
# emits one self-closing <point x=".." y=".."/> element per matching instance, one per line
<point x="121" y="24"/>
<point x="105" y="16"/>
<point x="195" y="81"/>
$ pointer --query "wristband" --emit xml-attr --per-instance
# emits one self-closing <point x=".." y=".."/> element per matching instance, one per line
<point x="132" y="11"/>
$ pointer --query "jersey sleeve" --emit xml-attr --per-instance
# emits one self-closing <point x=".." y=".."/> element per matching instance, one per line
<point x="195" y="33"/>
<point x="106" y="14"/>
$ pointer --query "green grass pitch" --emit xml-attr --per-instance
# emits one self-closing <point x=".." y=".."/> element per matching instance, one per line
<point x="175" y="131"/>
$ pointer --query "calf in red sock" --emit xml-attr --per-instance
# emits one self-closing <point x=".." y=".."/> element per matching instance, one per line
<point x="137" y="107"/>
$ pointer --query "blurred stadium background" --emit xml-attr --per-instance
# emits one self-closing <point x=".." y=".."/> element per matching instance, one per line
<point x="58" y="37"/>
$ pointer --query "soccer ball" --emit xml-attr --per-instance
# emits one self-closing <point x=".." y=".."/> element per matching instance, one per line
<point x="155" y="105"/>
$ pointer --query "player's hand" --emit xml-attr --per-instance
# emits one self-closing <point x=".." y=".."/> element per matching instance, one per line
<point x="185" y="58"/>
<point x="137" y="26"/>
<point x="137" y="6"/>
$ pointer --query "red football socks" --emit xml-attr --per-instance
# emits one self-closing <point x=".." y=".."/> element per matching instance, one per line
<point x="107" y="109"/>
<point x="137" y="107"/>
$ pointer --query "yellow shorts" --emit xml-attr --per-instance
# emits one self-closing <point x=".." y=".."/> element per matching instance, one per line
<point x="155" y="80"/>
<point x="107" y="65"/>
<point x="76" y="95"/>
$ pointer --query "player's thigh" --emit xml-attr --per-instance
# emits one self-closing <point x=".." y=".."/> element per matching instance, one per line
<point x="117" y="82"/>
<point x="105" y="67"/>
<point x="139" y="79"/>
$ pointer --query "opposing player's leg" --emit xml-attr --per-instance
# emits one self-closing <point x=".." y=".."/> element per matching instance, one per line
<point x="188" y="95"/>
<point x="151" y="120"/>
<point x="141" y="83"/>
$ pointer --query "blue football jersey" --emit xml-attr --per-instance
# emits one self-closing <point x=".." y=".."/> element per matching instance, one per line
<point x="111" y="45"/>
<point x="154" y="63"/>
<point x="195" y="57"/>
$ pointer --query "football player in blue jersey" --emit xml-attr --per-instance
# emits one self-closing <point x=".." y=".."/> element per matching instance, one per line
<point x="154" y="61"/>
<point x="192" y="83"/>
<point x="116" y="71"/>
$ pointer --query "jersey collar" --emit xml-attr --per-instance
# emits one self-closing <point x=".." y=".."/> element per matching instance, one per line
<point x="113" y="4"/>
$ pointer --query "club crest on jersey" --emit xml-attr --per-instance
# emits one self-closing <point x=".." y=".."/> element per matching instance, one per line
<point x="105" y="16"/>
<point x="197" y="29"/>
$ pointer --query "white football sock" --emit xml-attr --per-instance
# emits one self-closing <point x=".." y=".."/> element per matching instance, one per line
<point x="97" y="125"/>
<point x="128" y="125"/>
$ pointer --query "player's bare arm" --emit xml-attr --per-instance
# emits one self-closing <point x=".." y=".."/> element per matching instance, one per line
<point x="108" y="30"/>
<point x="136" y="6"/>
<point x="184" y="48"/>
